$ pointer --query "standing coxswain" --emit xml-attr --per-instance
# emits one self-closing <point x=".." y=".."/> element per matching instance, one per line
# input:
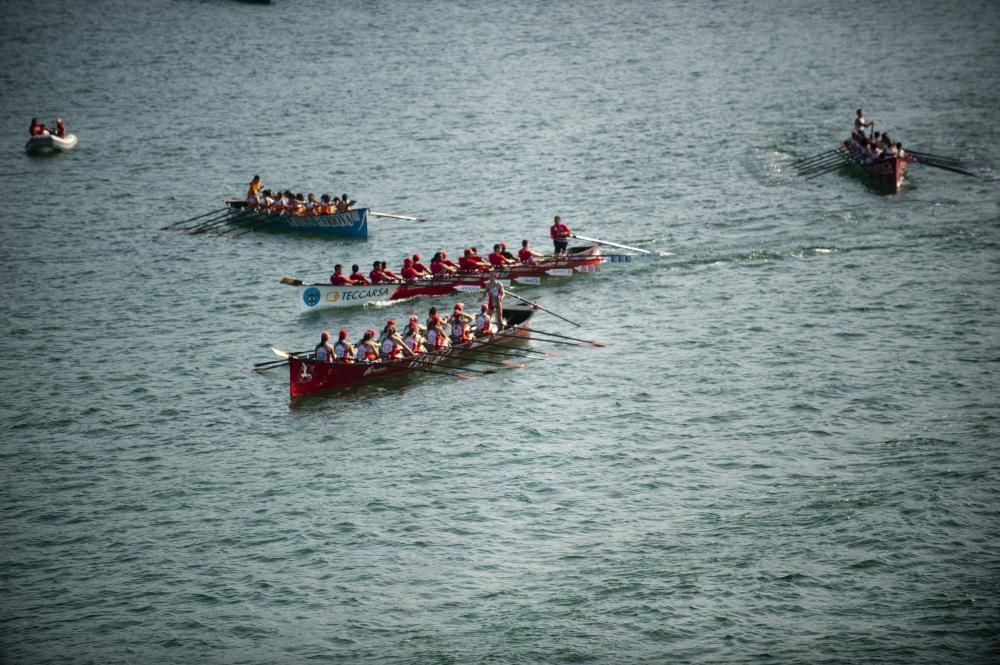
<point x="560" y="234"/>
<point x="496" y="292"/>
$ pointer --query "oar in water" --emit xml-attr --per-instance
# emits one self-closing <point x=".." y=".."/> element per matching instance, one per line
<point x="291" y="281"/>
<point x="836" y="160"/>
<point x="228" y="218"/>
<point x="208" y="222"/>
<point x="390" y="216"/>
<point x="588" y="342"/>
<point x="938" y="158"/>
<point x="519" y="349"/>
<point x="829" y="169"/>
<point x="946" y="168"/>
<point x="261" y="222"/>
<point x="537" y="306"/>
<point x="815" y="158"/>
<point x="611" y="244"/>
<point x="447" y="356"/>
<point x="185" y="221"/>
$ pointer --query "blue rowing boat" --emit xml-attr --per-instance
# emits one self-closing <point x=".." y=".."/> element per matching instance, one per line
<point x="353" y="223"/>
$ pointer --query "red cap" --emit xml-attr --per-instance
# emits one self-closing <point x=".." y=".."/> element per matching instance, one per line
<point x="370" y="332"/>
<point x="459" y="305"/>
<point x="325" y="336"/>
<point x="503" y="245"/>
<point x="416" y="257"/>
<point x="343" y="334"/>
<point x="414" y="317"/>
<point x="444" y="255"/>
<point x="407" y="262"/>
<point x="391" y="322"/>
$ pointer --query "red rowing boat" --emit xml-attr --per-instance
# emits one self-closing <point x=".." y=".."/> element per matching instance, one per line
<point x="886" y="172"/>
<point x="309" y="377"/>
<point x="322" y="296"/>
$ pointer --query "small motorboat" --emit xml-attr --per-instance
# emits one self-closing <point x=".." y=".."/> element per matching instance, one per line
<point x="49" y="144"/>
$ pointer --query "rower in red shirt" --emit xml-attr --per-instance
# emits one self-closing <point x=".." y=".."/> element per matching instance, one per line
<point x="357" y="276"/>
<point x="338" y="278"/>
<point x="497" y="259"/>
<point x="526" y="254"/>
<point x="389" y="275"/>
<point x="376" y="276"/>
<point x="484" y="265"/>
<point x="418" y="266"/>
<point x="439" y="268"/>
<point x="410" y="273"/>
<point x="445" y="261"/>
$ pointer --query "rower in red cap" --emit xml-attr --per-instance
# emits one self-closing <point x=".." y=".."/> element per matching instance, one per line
<point x="323" y="351"/>
<point x="393" y="346"/>
<point x="413" y="335"/>
<point x="367" y="348"/>
<point x="343" y="351"/>
<point x="459" y="324"/>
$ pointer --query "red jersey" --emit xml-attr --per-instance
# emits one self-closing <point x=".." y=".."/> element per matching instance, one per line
<point x="559" y="231"/>
<point x="497" y="259"/>
<point x="525" y="255"/>
<point x="376" y="276"/>
<point x="340" y="280"/>
<point x="436" y="267"/>
<point x="358" y="278"/>
<point x="409" y="273"/>
<point x="419" y="267"/>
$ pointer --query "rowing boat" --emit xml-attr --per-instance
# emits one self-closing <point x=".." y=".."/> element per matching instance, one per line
<point x="309" y="377"/>
<point x="885" y="172"/>
<point x="353" y="223"/>
<point x="324" y="296"/>
<point x="49" y="144"/>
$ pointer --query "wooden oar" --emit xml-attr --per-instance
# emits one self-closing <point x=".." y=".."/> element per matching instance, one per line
<point x="829" y="169"/>
<point x="947" y="168"/>
<point x="406" y="217"/>
<point x="575" y="339"/>
<point x="940" y="158"/>
<point x="519" y="349"/>
<point x="185" y="221"/>
<point x="291" y="281"/>
<point x="262" y="221"/>
<point x="458" y="375"/>
<point x="537" y="306"/>
<point x="819" y="166"/>
<point x="611" y="244"/>
<point x="209" y="222"/>
<point x="217" y="223"/>
<point x="448" y="356"/>
<point x="814" y="158"/>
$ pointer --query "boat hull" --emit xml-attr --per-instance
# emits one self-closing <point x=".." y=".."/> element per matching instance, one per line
<point x="886" y="173"/>
<point x="311" y="377"/>
<point x="50" y="144"/>
<point x="313" y="297"/>
<point x="353" y="223"/>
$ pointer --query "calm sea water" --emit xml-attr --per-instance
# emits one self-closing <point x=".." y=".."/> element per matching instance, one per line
<point x="787" y="452"/>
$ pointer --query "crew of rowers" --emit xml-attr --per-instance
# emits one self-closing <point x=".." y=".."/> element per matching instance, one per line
<point x="287" y="203"/>
<point x="441" y="267"/>
<point x="438" y="333"/>
<point x="872" y="148"/>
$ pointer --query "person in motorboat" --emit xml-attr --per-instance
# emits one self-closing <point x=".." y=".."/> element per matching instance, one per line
<point x="60" y="128"/>
<point x="559" y="233"/>
<point x="526" y="254"/>
<point x="338" y="278"/>
<point x="37" y="128"/>
<point x="343" y="351"/>
<point x="324" y="350"/>
<point x="367" y="350"/>
<point x="358" y="277"/>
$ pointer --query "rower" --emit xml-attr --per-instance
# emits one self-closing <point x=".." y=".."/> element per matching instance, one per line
<point x="367" y="349"/>
<point x="438" y="266"/>
<point x="338" y="278"/>
<point x="484" y="321"/>
<point x="448" y="263"/>
<point x="408" y="273"/>
<point x="312" y="206"/>
<point x="343" y="351"/>
<point x="393" y="346"/>
<point x="357" y="276"/>
<point x="418" y="266"/>
<point x="324" y="204"/>
<point x="412" y="335"/>
<point x="497" y="259"/>
<point x="413" y="325"/>
<point x="559" y="233"/>
<point x="343" y="205"/>
<point x="390" y="275"/>
<point x="436" y="336"/>
<point x="323" y="352"/>
<point x="526" y="254"/>
<point x="459" y="324"/>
